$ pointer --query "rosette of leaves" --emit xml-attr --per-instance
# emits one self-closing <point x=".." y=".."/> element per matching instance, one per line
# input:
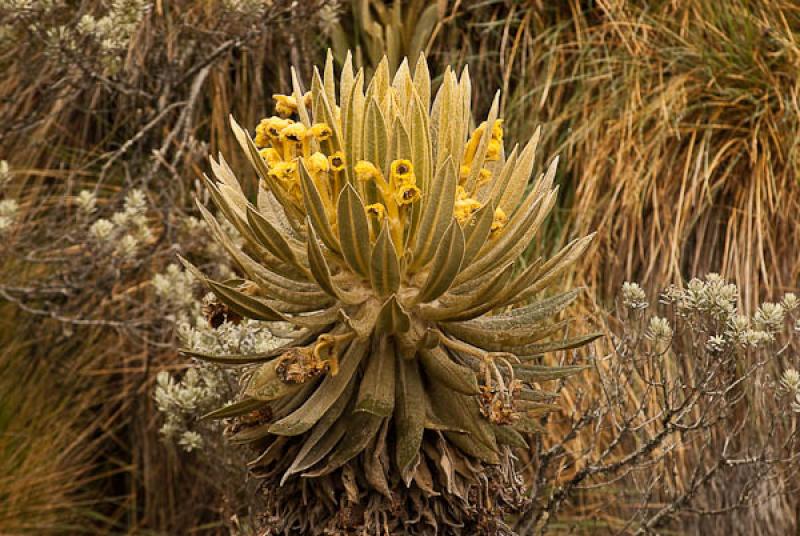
<point x="386" y="231"/>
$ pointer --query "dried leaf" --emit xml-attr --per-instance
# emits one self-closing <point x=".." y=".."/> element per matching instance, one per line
<point x="324" y="396"/>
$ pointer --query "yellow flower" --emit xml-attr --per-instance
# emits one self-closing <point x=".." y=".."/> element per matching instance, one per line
<point x="321" y="131"/>
<point x="495" y="143"/>
<point x="497" y="130"/>
<point x="366" y="171"/>
<point x="276" y="124"/>
<point x="494" y="150"/>
<point x="407" y="194"/>
<point x="262" y="138"/>
<point x="500" y="219"/>
<point x="284" y="171"/>
<point x="316" y="163"/>
<point x="461" y="193"/>
<point x="269" y="130"/>
<point x="285" y="105"/>
<point x="472" y="144"/>
<point x="465" y="208"/>
<point x="403" y="172"/>
<point x="376" y="209"/>
<point x="337" y="161"/>
<point x="270" y="156"/>
<point x="463" y="173"/>
<point x="484" y="176"/>
<point x="293" y="133"/>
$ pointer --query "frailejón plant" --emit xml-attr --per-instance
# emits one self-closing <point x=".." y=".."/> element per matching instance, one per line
<point x="386" y="232"/>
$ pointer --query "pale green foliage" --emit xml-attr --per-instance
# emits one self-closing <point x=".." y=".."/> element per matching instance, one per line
<point x="202" y="387"/>
<point x="659" y="330"/>
<point x="176" y="287"/>
<point x="329" y="16"/>
<point x="107" y="36"/>
<point x="27" y="5"/>
<point x="87" y="201"/>
<point x="114" y="30"/>
<point x="791" y="381"/>
<point x="711" y="304"/>
<point x="126" y="247"/>
<point x="247" y="337"/>
<point x="790" y="302"/>
<point x="770" y="316"/>
<point x="8" y="207"/>
<point x="101" y="230"/>
<point x="125" y="233"/>
<point x="8" y="213"/>
<point x="183" y="401"/>
<point x="708" y="311"/>
<point x="697" y="384"/>
<point x="5" y="174"/>
<point x="633" y="296"/>
<point x="246" y="8"/>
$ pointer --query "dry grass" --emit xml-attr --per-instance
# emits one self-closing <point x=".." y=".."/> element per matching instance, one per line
<point x="42" y="489"/>
<point x="677" y="121"/>
<point x="678" y="125"/>
<point x="83" y="337"/>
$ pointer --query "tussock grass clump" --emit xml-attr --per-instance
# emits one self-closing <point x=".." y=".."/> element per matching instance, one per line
<point x="678" y="121"/>
<point x="44" y="491"/>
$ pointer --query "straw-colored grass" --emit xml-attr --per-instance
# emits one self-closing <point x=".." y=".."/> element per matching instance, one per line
<point x="678" y="127"/>
<point x="40" y="487"/>
<point x="80" y="450"/>
<point x="678" y="124"/>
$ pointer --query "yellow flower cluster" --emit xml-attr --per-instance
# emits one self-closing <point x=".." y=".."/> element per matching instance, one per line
<point x="466" y="203"/>
<point x="283" y="141"/>
<point x="286" y="105"/>
<point x="396" y="196"/>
